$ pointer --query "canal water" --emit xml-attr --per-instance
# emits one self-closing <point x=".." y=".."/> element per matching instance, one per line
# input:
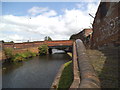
<point x="37" y="72"/>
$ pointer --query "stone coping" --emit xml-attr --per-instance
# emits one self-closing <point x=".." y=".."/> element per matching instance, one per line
<point x="57" y="78"/>
<point x="76" y="80"/>
<point x="88" y="76"/>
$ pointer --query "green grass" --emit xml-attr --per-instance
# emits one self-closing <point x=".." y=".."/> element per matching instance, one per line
<point x="66" y="78"/>
<point x="70" y="54"/>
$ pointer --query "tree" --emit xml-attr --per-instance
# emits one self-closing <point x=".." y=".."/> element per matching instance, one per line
<point x="11" y="42"/>
<point x="2" y="41"/>
<point x="47" y="38"/>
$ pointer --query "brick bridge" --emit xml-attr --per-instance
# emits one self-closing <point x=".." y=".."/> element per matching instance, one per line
<point x="59" y="43"/>
<point x="65" y="45"/>
<point x="38" y="43"/>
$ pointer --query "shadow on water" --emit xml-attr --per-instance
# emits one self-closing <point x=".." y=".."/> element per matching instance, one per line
<point x="37" y="72"/>
<point x="109" y="73"/>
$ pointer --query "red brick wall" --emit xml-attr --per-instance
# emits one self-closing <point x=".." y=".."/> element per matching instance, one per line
<point x="105" y="26"/>
<point x="36" y="44"/>
<point x="57" y="43"/>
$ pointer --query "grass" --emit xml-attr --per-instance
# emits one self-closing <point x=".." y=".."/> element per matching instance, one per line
<point x="23" y="56"/>
<point x="70" y="54"/>
<point x="105" y="63"/>
<point x="66" y="78"/>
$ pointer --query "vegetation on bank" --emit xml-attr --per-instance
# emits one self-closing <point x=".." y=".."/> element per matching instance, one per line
<point x="66" y="78"/>
<point x="8" y="52"/>
<point x="70" y="54"/>
<point x="43" y="49"/>
<point x="23" y="56"/>
<point x="18" y="57"/>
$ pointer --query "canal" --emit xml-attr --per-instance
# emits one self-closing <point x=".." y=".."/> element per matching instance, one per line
<point x="37" y="72"/>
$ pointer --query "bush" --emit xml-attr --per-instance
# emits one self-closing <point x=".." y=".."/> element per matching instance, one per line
<point x="43" y="49"/>
<point x="8" y="52"/>
<point x="30" y="54"/>
<point x="33" y="54"/>
<point x="23" y="56"/>
<point x="27" y="54"/>
<point x="18" y="57"/>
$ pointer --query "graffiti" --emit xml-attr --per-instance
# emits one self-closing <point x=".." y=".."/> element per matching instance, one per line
<point x="111" y="28"/>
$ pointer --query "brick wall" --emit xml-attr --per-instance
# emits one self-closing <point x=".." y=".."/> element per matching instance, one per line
<point x="30" y="46"/>
<point x="22" y="45"/>
<point x="36" y="44"/>
<point x="105" y="26"/>
<point x="84" y="35"/>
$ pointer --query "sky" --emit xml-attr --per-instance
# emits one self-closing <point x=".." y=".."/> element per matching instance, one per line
<point x="23" y="21"/>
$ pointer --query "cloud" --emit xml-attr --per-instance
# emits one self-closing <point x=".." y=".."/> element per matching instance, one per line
<point x="13" y="37"/>
<point x="90" y="7"/>
<point x="81" y="5"/>
<point x="47" y="23"/>
<point x="50" y="13"/>
<point x="37" y="10"/>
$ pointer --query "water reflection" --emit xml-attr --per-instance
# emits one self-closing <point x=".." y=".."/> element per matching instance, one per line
<point x="38" y="72"/>
<point x="56" y="51"/>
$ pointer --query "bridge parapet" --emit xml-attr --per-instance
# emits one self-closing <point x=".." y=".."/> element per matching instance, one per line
<point x="59" y="43"/>
<point x="37" y="44"/>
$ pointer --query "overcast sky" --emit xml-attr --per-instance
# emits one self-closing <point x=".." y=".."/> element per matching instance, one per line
<point x="22" y="21"/>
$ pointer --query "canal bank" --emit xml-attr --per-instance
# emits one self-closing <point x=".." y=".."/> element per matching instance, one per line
<point x="64" y="77"/>
<point x="37" y="72"/>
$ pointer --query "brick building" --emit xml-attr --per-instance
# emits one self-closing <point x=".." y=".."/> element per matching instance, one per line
<point x="85" y="35"/>
<point x="106" y="25"/>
